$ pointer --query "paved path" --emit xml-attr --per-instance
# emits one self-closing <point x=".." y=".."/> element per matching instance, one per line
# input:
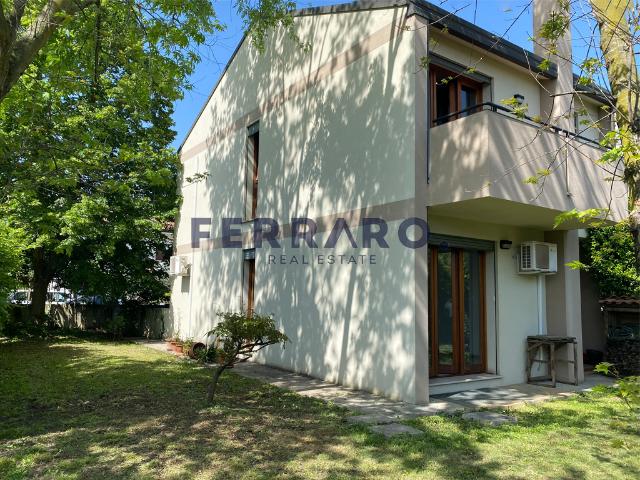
<point x="368" y="404"/>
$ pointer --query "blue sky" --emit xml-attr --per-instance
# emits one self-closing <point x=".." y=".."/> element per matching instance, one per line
<point x="509" y="18"/>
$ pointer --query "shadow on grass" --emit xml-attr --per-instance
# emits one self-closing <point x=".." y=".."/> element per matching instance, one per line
<point x="105" y="409"/>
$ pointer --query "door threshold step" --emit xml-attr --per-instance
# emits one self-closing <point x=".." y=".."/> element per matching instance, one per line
<point x="462" y="379"/>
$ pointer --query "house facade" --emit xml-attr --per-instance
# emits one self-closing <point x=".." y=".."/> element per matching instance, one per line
<point x="394" y="193"/>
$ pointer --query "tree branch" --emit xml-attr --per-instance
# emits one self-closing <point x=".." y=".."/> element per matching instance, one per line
<point x="34" y="37"/>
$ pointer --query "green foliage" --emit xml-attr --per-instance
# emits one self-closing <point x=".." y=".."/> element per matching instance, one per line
<point x="610" y="259"/>
<point x="260" y="17"/>
<point x="518" y="109"/>
<point x="554" y="28"/>
<point x="85" y="165"/>
<point x="236" y="338"/>
<point x="241" y="334"/>
<point x="545" y="64"/>
<point x="115" y="326"/>
<point x="625" y="388"/>
<point x="86" y="170"/>
<point x="12" y="245"/>
<point x="591" y="216"/>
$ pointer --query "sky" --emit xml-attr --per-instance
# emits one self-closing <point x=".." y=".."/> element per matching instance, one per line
<point x="511" y="19"/>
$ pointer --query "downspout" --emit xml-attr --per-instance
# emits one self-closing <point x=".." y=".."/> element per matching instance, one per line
<point x="542" y="307"/>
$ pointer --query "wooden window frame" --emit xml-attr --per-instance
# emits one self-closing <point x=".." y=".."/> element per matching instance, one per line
<point x="251" y="176"/>
<point x="248" y="283"/>
<point x="455" y="87"/>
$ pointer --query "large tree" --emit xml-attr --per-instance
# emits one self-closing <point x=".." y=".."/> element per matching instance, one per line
<point x="85" y="127"/>
<point x="85" y="169"/>
<point x="26" y="26"/>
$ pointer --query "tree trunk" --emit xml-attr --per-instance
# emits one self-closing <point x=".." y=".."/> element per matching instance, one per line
<point x="42" y="276"/>
<point x="211" y="391"/>
<point x="634" y="218"/>
<point x="616" y="43"/>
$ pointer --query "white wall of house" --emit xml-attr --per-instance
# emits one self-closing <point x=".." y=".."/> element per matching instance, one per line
<point x="352" y="324"/>
<point x="343" y="134"/>
<point x="336" y="139"/>
<point x="507" y="78"/>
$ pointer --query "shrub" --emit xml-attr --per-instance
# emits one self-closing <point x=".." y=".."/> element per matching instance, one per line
<point x="626" y="388"/>
<point x="115" y="326"/>
<point x="12" y="244"/>
<point x="611" y="261"/>
<point x="240" y="335"/>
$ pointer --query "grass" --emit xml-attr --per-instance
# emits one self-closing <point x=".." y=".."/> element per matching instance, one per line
<point x="75" y="409"/>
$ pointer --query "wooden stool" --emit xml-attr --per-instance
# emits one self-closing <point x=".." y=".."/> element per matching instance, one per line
<point x="538" y="343"/>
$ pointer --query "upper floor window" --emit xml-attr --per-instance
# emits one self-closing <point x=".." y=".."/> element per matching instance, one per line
<point x="452" y="93"/>
<point x="251" y="172"/>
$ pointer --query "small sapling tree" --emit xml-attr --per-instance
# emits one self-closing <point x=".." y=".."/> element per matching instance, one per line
<point x="237" y="338"/>
<point x="626" y="388"/>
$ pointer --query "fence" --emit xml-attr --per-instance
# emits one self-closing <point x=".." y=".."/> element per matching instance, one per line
<point x="150" y="321"/>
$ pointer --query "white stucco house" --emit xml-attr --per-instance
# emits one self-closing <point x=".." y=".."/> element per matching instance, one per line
<point x="360" y="127"/>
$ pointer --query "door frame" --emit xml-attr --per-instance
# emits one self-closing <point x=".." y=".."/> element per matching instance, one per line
<point x="459" y="367"/>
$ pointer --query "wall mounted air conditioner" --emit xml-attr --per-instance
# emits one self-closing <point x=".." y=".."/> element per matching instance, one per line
<point x="179" y="266"/>
<point x="538" y="257"/>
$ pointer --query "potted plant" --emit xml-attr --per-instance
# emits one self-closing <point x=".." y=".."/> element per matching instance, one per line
<point x="187" y="345"/>
<point x="175" y="343"/>
<point x="196" y="350"/>
<point x="178" y="345"/>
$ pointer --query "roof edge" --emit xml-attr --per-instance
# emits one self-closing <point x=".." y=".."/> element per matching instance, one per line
<point x="471" y="33"/>
<point x="437" y="16"/>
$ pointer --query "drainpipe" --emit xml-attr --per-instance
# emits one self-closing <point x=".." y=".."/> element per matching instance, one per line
<point x="542" y="307"/>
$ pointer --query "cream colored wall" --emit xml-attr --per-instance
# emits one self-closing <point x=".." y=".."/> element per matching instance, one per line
<point x="336" y="135"/>
<point x="348" y="324"/>
<point x="593" y="122"/>
<point x="516" y="303"/>
<point x="507" y="78"/>
<point x="491" y="155"/>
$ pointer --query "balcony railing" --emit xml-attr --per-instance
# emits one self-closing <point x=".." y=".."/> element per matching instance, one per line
<point x="489" y="152"/>
<point x="501" y="109"/>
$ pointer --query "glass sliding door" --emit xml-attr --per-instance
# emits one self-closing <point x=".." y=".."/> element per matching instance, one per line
<point x="445" y="314"/>
<point x="457" y="311"/>
<point x="473" y="310"/>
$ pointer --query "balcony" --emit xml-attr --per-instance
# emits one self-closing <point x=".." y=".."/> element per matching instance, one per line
<point x="479" y="166"/>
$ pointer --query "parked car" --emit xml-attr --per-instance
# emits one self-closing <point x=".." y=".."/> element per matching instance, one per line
<point x="20" y="297"/>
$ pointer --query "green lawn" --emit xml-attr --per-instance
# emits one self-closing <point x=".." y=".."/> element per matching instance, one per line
<point x="73" y="408"/>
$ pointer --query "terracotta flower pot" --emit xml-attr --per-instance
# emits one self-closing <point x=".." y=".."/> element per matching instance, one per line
<point x="196" y="350"/>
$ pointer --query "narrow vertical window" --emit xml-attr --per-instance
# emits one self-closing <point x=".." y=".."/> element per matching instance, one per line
<point x="248" y="279"/>
<point x="251" y="172"/>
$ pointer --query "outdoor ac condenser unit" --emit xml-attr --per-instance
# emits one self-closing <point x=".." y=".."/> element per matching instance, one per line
<point x="538" y="257"/>
<point x="179" y="266"/>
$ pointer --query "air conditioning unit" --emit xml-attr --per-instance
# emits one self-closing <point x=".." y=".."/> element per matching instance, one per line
<point x="538" y="257"/>
<point x="179" y="266"/>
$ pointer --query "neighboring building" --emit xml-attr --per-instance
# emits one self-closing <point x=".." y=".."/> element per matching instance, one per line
<point x="358" y="128"/>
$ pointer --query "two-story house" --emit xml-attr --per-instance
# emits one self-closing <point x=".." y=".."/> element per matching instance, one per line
<point x="397" y="193"/>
